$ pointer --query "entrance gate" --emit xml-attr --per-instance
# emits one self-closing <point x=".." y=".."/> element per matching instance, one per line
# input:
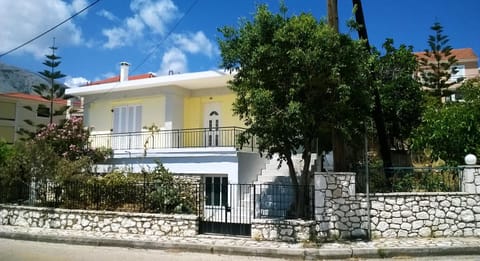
<point x="227" y="208"/>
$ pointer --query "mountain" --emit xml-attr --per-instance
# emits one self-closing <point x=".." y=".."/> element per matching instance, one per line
<point x="14" y="79"/>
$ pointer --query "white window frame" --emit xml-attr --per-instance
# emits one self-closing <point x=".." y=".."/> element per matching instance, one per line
<point x="459" y="74"/>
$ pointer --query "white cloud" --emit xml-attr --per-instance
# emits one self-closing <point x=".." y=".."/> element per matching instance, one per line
<point x="156" y="15"/>
<point x="118" y="36"/>
<point x="110" y="16"/>
<point x="195" y="43"/>
<point x="174" y="60"/>
<point x="23" y="20"/>
<point x="153" y="16"/>
<point x="78" y="5"/>
<point x="73" y="82"/>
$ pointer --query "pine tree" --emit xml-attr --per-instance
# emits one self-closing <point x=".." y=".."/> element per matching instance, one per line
<point x="437" y="63"/>
<point x="51" y="92"/>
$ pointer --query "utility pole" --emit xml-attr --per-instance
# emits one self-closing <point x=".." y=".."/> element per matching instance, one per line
<point x="378" y="111"/>
<point x="332" y="13"/>
<point x="338" y="143"/>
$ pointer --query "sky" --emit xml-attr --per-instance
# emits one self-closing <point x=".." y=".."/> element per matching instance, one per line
<point x="181" y="35"/>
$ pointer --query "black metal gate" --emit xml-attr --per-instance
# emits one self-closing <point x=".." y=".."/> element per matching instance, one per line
<point x="227" y="208"/>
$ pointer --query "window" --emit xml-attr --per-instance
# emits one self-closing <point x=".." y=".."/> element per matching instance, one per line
<point x="457" y="73"/>
<point x="43" y="111"/>
<point x="127" y="119"/>
<point x="216" y="191"/>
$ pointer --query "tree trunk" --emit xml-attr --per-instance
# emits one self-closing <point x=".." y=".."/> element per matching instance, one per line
<point x="338" y="143"/>
<point x="298" y="206"/>
<point x="305" y="178"/>
<point x="378" y="111"/>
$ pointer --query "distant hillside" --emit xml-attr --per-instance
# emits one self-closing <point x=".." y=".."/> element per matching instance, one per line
<point x="14" y="79"/>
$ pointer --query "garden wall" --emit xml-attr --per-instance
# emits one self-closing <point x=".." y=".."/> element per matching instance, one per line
<point x="296" y="230"/>
<point x="100" y="221"/>
<point x="341" y="213"/>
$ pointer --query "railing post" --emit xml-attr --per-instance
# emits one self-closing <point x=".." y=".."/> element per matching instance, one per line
<point x="254" y="201"/>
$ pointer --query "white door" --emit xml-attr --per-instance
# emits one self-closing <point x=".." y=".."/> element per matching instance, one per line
<point x="212" y="125"/>
<point x="127" y="127"/>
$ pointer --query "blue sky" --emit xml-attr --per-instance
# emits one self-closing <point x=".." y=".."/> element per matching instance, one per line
<point x="162" y="35"/>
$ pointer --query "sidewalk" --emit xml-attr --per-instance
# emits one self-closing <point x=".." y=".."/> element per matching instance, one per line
<point x="245" y="246"/>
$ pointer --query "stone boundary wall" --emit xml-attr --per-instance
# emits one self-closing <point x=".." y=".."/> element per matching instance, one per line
<point x="100" y="221"/>
<point x="341" y="213"/>
<point x="424" y="215"/>
<point x="289" y="230"/>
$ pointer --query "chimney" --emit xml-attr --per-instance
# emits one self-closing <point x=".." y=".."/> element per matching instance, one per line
<point x="124" y="71"/>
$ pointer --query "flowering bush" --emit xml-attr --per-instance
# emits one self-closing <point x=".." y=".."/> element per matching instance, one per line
<point x="70" y="140"/>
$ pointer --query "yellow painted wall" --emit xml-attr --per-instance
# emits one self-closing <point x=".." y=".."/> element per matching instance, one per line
<point x="7" y="133"/>
<point x="194" y="110"/>
<point x="13" y="116"/>
<point x="7" y="110"/>
<point x="101" y="116"/>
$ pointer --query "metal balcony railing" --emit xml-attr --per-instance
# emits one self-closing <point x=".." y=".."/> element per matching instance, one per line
<point x="166" y="139"/>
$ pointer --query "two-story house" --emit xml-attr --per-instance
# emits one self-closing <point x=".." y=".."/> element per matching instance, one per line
<point x="185" y="121"/>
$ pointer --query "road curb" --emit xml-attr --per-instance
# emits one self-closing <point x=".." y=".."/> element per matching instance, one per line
<point x="275" y="252"/>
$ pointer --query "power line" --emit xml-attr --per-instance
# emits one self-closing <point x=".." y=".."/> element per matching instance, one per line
<point x="51" y="29"/>
<point x="148" y="55"/>
<point x="166" y="36"/>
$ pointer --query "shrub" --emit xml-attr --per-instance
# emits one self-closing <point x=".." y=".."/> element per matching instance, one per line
<point x="170" y="194"/>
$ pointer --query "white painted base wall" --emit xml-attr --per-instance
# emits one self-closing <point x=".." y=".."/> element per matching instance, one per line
<point x="240" y="167"/>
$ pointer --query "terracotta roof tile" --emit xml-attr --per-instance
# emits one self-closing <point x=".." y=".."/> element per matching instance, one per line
<point x="117" y="79"/>
<point x="460" y="54"/>
<point x="30" y="97"/>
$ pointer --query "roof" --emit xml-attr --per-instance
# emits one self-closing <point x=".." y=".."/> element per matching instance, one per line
<point x="117" y="79"/>
<point x="185" y="82"/>
<point x="30" y="97"/>
<point x="460" y="54"/>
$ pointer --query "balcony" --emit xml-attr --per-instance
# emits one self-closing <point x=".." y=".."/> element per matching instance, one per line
<point x="171" y="139"/>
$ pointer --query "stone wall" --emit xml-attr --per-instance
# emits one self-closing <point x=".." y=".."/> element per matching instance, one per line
<point x="471" y="179"/>
<point x="100" y="221"/>
<point x="425" y="215"/>
<point x="283" y="230"/>
<point x="341" y="213"/>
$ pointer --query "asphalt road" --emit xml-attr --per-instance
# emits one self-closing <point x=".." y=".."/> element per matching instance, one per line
<point x="17" y="250"/>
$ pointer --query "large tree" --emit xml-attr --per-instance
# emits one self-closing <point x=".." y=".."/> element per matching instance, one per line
<point x="55" y="90"/>
<point x="437" y="63"/>
<point x="293" y="83"/>
<point x="453" y="130"/>
<point x="400" y="94"/>
<point x="52" y="93"/>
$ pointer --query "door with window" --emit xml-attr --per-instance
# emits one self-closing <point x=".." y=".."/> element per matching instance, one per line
<point x="212" y="125"/>
<point x="127" y="126"/>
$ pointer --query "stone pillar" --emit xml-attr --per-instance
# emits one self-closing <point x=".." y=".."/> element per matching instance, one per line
<point x="471" y="179"/>
<point x="332" y="190"/>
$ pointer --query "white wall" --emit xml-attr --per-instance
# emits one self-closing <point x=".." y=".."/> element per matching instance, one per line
<point x="250" y="164"/>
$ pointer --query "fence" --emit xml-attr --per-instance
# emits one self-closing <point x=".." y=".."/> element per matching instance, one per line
<point x="166" y="139"/>
<point x="278" y="201"/>
<point x="259" y="200"/>
<point x="126" y="197"/>
<point x="410" y="179"/>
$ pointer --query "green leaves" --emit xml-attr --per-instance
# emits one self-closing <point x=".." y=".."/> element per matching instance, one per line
<point x="451" y="131"/>
<point x="401" y="96"/>
<point x="435" y="65"/>
<point x="292" y="79"/>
